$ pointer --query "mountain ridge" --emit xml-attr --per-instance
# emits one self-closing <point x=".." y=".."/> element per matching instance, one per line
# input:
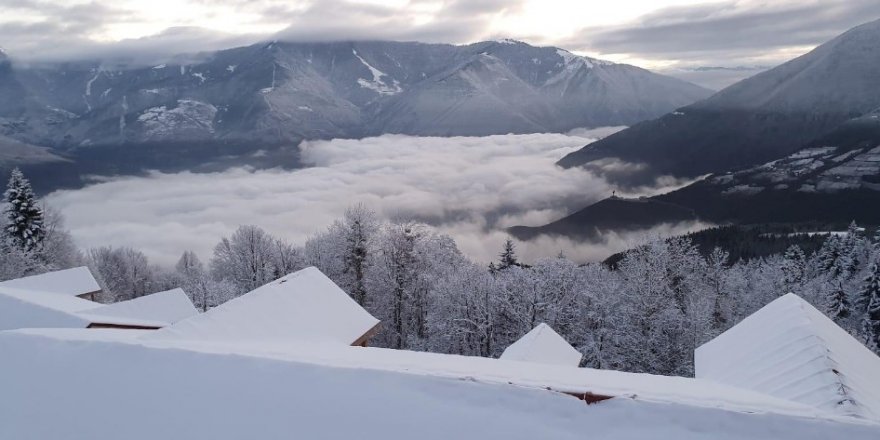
<point x="281" y="92"/>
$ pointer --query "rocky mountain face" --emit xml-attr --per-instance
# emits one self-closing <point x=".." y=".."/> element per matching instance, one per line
<point x="279" y="93"/>
<point x="760" y="119"/>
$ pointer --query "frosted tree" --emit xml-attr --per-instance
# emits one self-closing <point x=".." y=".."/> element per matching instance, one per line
<point x="871" y="320"/>
<point x="831" y="258"/>
<point x="23" y="214"/>
<point x="793" y="268"/>
<point x="245" y="259"/>
<point x="123" y="273"/>
<point x="508" y="255"/>
<point x="287" y="258"/>
<point x="57" y="251"/>
<point x="357" y="229"/>
<point x="397" y="277"/>
<point x="869" y="289"/>
<point x="837" y="304"/>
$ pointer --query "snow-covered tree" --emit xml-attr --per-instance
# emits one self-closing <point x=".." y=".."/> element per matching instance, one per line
<point x="869" y="288"/>
<point x="508" y="255"/>
<point x="124" y="273"/>
<point x="245" y="259"/>
<point x="793" y="267"/>
<point x="837" y="304"/>
<point x="24" y="216"/>
<point x="357" y="229"/>
<point x="871" y="323"/>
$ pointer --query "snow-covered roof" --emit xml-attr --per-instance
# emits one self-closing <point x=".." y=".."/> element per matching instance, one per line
<point x="791" y="350"/>
<point x="543" y="345"/>
<point x="297" y="390"/>
<point x="155" y="310"/>
<point x="74" y="282"/>
<point x="302" y="306"/>
<point x="22" y="308"/>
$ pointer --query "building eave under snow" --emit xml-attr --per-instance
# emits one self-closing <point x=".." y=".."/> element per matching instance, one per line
<point x="790" y="350"/>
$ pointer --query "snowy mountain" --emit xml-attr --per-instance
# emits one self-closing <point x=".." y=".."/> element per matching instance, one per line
<point x="760" y="119"/>
<point x="279" y="93"/>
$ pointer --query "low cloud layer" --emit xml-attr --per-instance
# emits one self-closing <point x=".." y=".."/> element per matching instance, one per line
<point x="469" y="187"/>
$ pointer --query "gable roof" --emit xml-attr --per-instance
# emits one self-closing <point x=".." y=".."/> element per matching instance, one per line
<point x="302" y="306"/>
<point x="73" y="282"/>
<point x="159" y="309"/>
<point x="543" y="345"/>
<point x="789" y="349"/>
<point x="22" y="308"/>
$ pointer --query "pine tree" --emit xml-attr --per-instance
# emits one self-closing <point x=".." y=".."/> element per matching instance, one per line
<point x="871" y="322"/>
<point x="830" y="257"/>
<point x="793" y="265"/>
<point x="508" y="256"/>
<point x="870" y="288"/>
<point x="24" y="216"/>
<point x="837" y="304"/>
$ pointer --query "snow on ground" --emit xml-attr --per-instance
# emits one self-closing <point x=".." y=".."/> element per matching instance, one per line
<point x="543" y="345"/>
<point x="302" y="306"/>
<point x="73" y="282"/>
<point x="53" y="388"/>
<point x="791" y="350"/>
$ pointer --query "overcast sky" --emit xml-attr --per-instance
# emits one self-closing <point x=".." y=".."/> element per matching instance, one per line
<point x="657" y="34"/>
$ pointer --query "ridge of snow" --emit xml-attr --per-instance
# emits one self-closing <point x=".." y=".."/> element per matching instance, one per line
<point x="377" y="85"/>
<point x="791" y="350"/>
<point x="543" y="345"/>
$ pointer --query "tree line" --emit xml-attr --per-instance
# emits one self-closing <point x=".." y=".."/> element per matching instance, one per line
<point x="648" y="313"/>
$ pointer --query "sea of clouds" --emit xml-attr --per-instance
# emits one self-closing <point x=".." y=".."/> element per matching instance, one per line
<point x="469" y="187"/>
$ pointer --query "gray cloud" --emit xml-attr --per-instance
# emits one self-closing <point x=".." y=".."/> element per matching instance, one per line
<point x="729" y="33"/>
<point x="471" y="188"/>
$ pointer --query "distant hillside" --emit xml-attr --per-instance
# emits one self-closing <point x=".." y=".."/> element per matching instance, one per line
<point x="765" y="117"/>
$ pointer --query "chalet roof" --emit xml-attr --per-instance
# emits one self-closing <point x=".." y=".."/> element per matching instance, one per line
<point x="302" y="306"/>
<point x="791" y="350"/>
<point x="159" y="309"/>
<point x="74" y="282"/>
<point x="23" y="308"/>
<point x="543" y="345"/>
<point x="25" y="305"/>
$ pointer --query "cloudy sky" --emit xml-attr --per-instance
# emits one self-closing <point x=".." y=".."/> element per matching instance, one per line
<point x="658" y="34"/>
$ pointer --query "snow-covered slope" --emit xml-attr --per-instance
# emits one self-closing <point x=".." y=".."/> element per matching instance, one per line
<point x="543" y="345"/>
<point x="302" y="306"/>
<point x="281" y="92"/>
<point x="791" y="350"/>
<point x="52" y="385"/>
